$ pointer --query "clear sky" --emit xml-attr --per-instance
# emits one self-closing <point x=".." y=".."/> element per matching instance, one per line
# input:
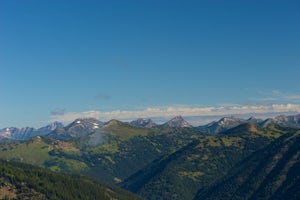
<point x="122" y="59"/>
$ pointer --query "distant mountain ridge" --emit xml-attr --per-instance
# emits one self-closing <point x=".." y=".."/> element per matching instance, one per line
<point x="77" y="129"/>
<point x="148" y="123"/>
<point x="84" y="126"/>
<point x="227" y="123"/>
<point x="292" y="120"/>
<point x="222" y="125"/>
<point x="28" y="132"/>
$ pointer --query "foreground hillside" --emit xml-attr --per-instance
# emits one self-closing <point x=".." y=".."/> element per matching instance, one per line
<point x="270" y="173"/>
<point x="22" y="181"/>
<point x="181" y="174"/>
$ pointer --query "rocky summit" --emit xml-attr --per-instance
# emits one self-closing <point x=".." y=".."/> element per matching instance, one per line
<point x="178" y="121"/>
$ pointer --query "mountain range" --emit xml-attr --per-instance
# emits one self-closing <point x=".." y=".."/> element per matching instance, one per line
<point x="250" y="158"/>
<point x="80" y="127"/>
<point x="77" y="129"/>
<point x="28" y="132"/>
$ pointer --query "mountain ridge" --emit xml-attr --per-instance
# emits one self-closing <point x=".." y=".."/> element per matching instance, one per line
<point x="78" y="128"/>
<point x="140" y="122"/>
<point x="28" y="132"/>
<point x="84" y="126"/>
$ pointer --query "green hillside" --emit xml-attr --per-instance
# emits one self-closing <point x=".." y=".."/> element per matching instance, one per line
<point x="42" y="152"/>
<point x="122" y="151"/>
<point x="127" y="151"/>
<point x="270" y="173"/>
<point x="22" y="181"/>
<point x="181" y="174"/>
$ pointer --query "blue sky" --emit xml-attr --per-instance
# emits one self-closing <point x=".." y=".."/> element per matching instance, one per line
<point x="125" y="59"/>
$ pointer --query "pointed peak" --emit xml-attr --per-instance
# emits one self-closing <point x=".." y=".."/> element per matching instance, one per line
<point x="113" y="122"/>
<point x="178" y="121"/>
<point x="84" y="125"/>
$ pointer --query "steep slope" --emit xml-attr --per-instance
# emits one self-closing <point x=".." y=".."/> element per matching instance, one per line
<point x="21" y="181"/>
<point x="181" y="174"/>
<point x="270" y="173"/>
<point x="269" y="121"/>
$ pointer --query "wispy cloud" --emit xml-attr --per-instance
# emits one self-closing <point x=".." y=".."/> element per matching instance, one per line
<point x="187" y="111"/>
<point x="58" y="111"/>
<point x="277" y="95"/>
<point x="102" y="96"/>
